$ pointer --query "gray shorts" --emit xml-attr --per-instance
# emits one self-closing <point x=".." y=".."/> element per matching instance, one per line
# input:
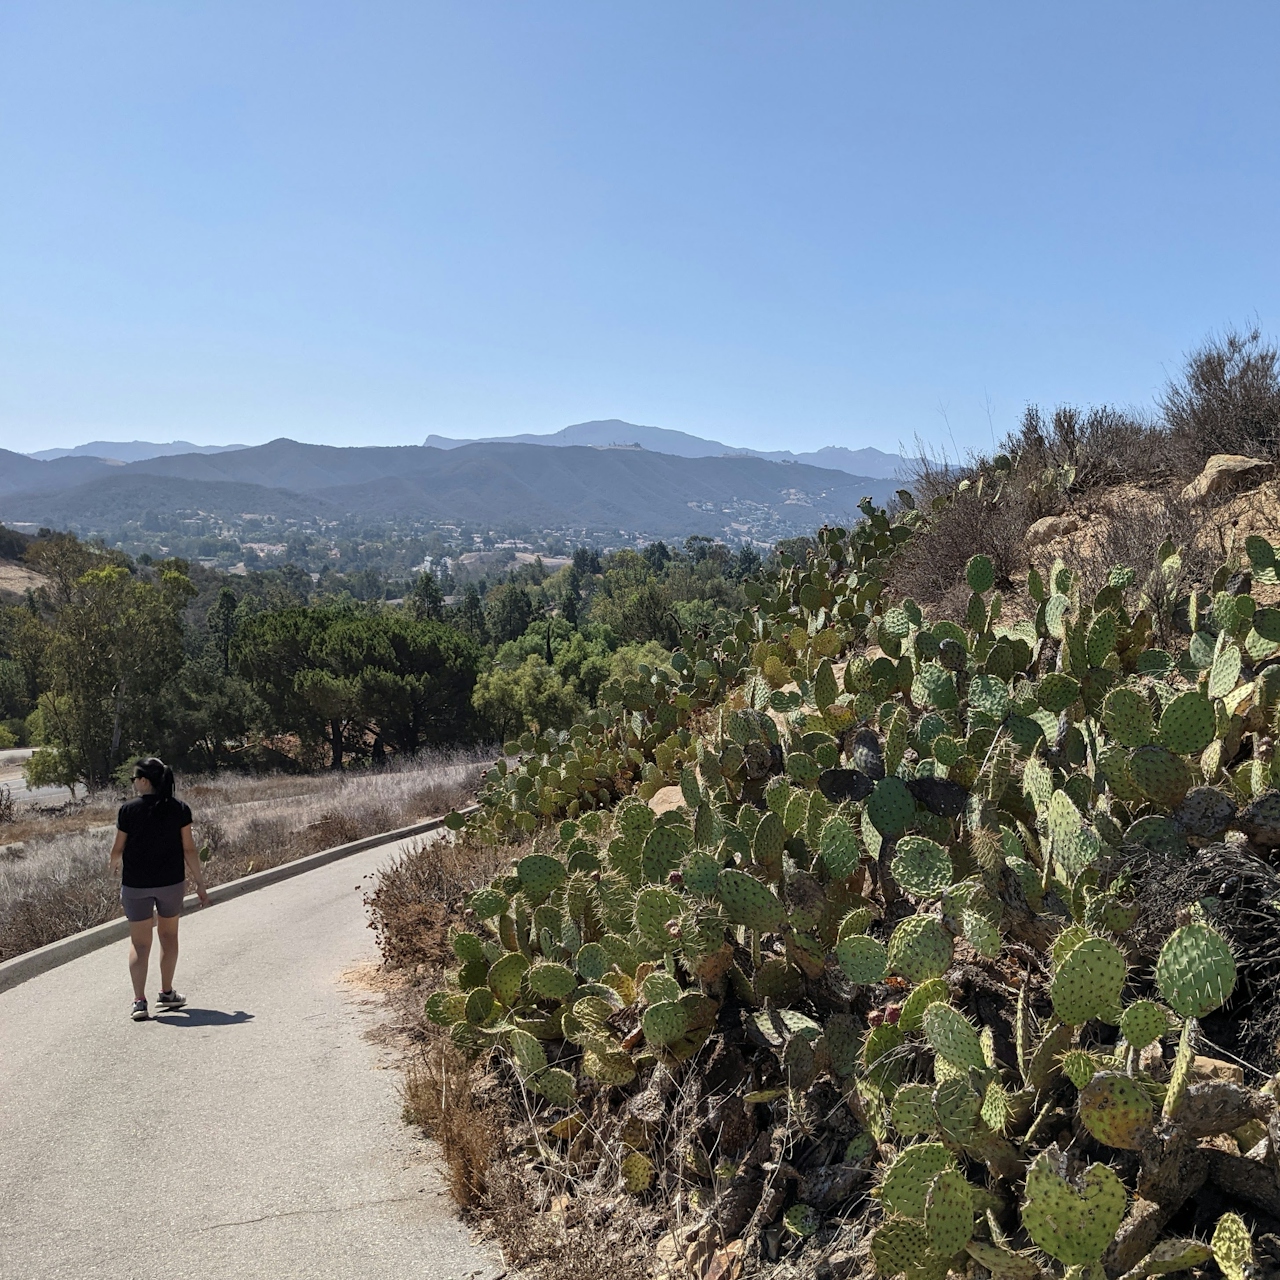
<point x="140" y="903"/>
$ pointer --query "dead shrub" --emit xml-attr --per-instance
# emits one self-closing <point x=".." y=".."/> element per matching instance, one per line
<point x="415" y="896"/>
<point x="1226" y="401"/>
<point x="438" y="1098"/>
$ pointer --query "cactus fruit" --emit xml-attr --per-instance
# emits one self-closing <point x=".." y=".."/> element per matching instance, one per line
<point x="1116" y="1110"/>
<point x="1160" y="775"/>
<point x="1088" y="982"/>
<point x="1232" y="1247"/>
<point x="1072" y="1223"/>
<point x="920" y="948"/>
<point x="1196" y="971"/>
<point x="748" y="902"/>
<point x="922" y="867"/>
<point x="948" y="1213"/>
<point x="863" y="960"/>
<point x="1142" y="1023"/>
<point x="1127" y="717"/>
<point x="905" y="1188"/>
<point x="891" y="807"/>
<point x="839" y="846"/>
<point x="1187" y="724"/>
<point x="952" y="1036"/>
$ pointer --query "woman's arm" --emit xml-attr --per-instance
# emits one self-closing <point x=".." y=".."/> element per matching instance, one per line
<point x="195" y="870"/>
<point x="116" y="861"/>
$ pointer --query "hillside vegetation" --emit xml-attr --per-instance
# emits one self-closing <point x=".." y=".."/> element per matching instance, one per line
<point x="866" y="938"/>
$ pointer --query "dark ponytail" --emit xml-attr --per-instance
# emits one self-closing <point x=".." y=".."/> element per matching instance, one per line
<point x="159" y="775"/>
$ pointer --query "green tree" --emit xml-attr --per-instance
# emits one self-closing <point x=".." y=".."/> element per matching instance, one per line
<point x="512" y="699"/>
<point x="110" y="647"/>
<point x="426" y="600"/>
<point x="508" y="611"/>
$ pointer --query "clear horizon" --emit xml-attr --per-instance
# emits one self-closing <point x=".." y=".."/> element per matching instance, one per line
<point x="777" y="228"/>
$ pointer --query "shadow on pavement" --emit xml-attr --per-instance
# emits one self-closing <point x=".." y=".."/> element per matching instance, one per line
<point x="203" y="1018"/>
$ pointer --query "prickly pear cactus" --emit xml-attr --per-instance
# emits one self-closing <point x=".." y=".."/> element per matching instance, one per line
<point x="882" y="820"/>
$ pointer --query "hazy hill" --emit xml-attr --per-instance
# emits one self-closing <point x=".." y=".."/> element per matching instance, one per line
<point x="19" y="472"/>
<point x="613" y="431"/>
<point x="488" y="484"/>
<point x="130" y="450"/>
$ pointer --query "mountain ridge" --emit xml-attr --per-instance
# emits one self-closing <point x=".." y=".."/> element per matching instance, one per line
<point x="592" y="490"/>
<point x="614" y="432"/>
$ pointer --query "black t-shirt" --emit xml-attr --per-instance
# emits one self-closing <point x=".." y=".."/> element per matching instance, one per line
<point x="153" y="850"/>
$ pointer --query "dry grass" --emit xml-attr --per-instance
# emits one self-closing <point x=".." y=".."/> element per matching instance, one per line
<point x="59" y="883"/>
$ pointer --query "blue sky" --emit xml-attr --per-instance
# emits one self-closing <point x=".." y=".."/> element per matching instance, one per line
<point x="780" y="224"/>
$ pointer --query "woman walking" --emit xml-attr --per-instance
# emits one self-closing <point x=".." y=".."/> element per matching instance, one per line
<point x="156" y="854"/>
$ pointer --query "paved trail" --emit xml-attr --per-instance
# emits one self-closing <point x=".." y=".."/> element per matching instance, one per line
<point x="251" y="1135"/>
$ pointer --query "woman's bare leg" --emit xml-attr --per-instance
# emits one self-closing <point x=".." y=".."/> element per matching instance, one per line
<point x="139" y="955"/>
<point x="167" y="928"/>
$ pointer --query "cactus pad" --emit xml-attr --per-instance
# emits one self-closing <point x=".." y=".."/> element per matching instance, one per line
<point x="891" y="807"/>
<point x="920" y="948"/>
<point x="540" y="875"/>
<point x="913" y="1007"/>
<point x="801" y="1220"/>
<point x="1224" y="674"/>
<point x="659" y="986"/>
<point x="1079" y="1066"/>
<point x="922" y="867"/>
<point x="654" y="910"/>
<point x="1160" y="775"/>
<point x="701" y="874"/>
<point x="1127" y="717"/>
<point x="1088" y="982"/>
<point x="529" y="1055"/>
<point x="1187" y="724"/>
<point x="911" y="1112"/>
<point x="487" y="903"/>
<point x="506" y="976"/>
<point x="906" y="1182"/>
<point x="862" y="959"/>
<point x="1073" y="1224"/>
<point x="748" y="902"/>
<point x="980" y="574"/>
<point x="550" y="980"/>
<point x="1196" y="971"/>
<point x="592" y="962"/>
<point x="899" y="1245"/>
<point x="664" y="1023"/>
<point x="1116" y="1110"/>
<point x="608" y="1067"/>
<point x="637" y="1173"/>
<point x="1232" y="1247"/>
<point x="952" y="1036"/>
<point x="948" y="1213"/>
<point x="557" y="1086"/>
<point x="839" y="846"/>
<point x="1142" y="1023"/>
<point x="1206" y="812"/>
<point x="663" y="849"/>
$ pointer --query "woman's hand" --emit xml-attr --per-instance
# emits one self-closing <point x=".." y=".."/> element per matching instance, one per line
<point x="203" y="894"/>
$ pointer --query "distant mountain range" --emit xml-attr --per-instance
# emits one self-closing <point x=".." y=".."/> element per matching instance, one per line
<point x="612" y="432"/>
<point x="492" y="484"/>
<point x="131" y="450"/>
